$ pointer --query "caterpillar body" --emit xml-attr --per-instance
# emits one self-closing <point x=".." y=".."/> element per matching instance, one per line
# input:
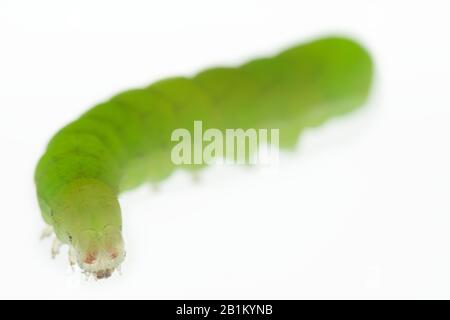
<point x="124" y="142"/>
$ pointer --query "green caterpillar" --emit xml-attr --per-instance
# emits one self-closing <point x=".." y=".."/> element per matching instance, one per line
<point x="124" y="142"/>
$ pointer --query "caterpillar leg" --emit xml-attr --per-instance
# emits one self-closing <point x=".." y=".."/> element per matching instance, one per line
<point x="155" y="187"/>
<point x="196" y="178"/>
<point x="56" y="246"/>
<point x="47" y="232"/>
<point x="72" y="257"/>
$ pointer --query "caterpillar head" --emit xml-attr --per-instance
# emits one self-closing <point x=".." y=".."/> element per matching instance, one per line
<point x="100" y="253"/>
<point x="88" y="217"/>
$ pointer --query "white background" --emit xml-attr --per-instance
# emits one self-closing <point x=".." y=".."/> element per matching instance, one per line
<point x="361" y="210"/>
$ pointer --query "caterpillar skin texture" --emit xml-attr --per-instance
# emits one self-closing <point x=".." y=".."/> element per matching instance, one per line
<point x="124" y="142"/>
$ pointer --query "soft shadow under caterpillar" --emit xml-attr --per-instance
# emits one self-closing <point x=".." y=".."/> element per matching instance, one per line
<point x="121" y="143"/>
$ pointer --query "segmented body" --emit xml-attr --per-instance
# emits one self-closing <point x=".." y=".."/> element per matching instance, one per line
<point x="124" y="142"/>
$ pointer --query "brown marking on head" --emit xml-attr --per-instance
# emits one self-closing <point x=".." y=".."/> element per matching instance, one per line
<point x="90" y="258"/>
<point x="114" y="255"/>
